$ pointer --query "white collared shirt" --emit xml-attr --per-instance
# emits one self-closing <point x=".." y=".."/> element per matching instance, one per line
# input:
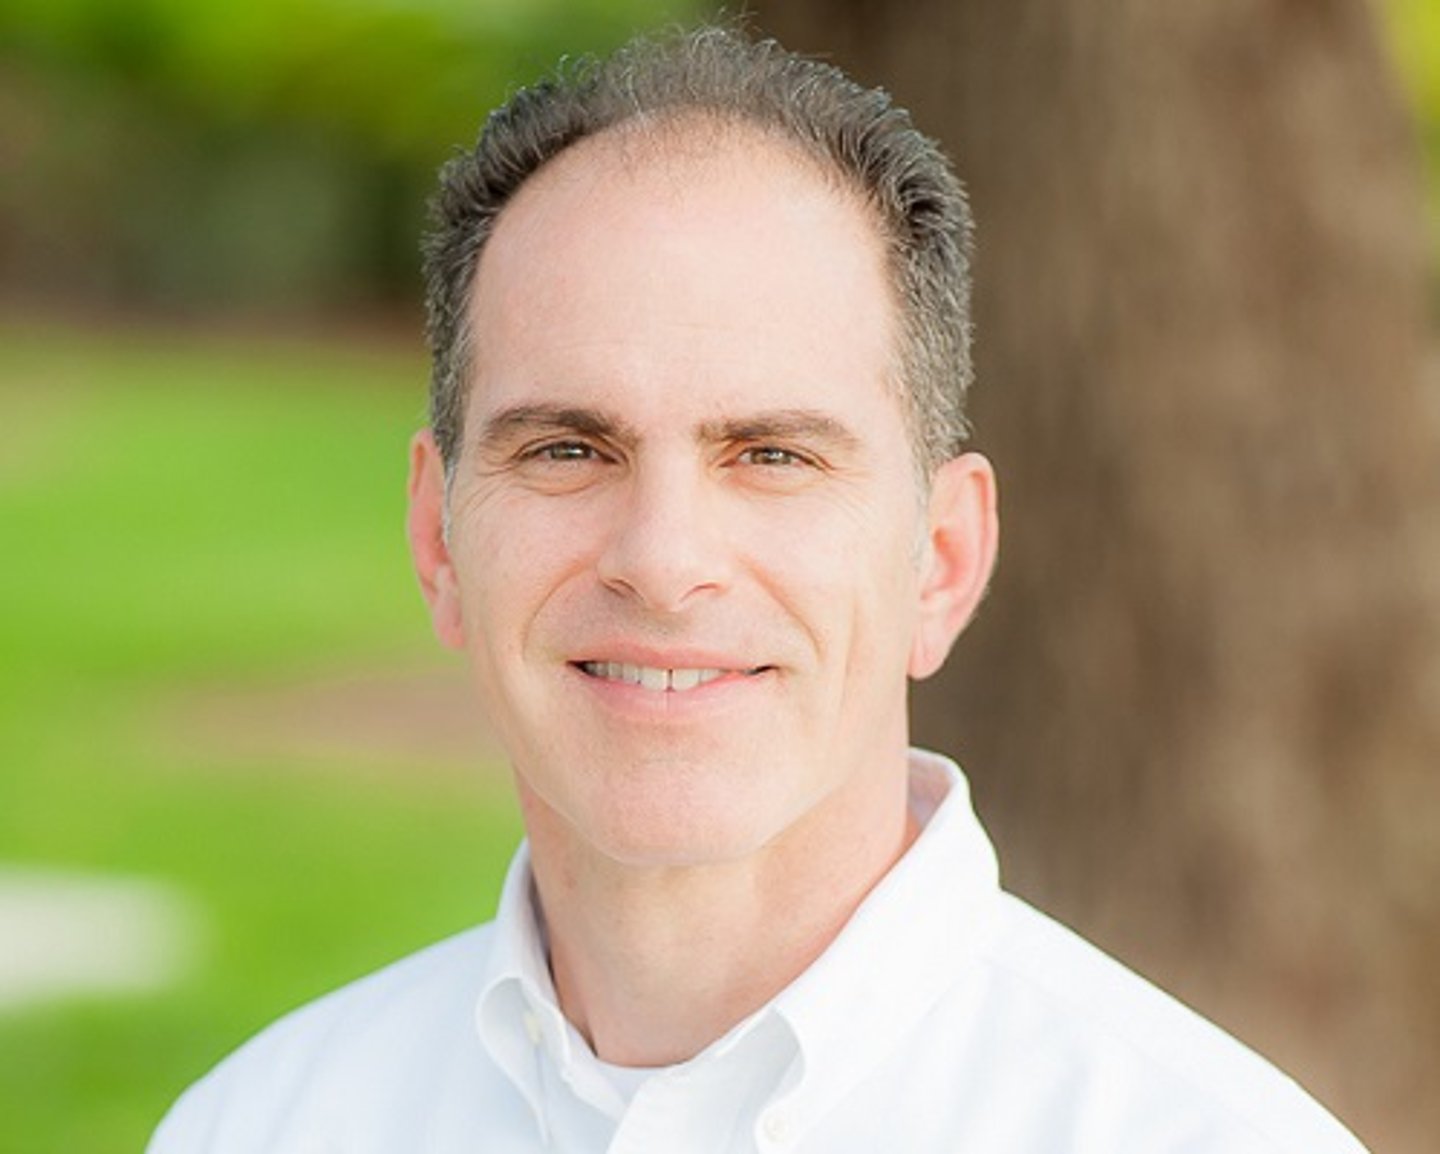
<point x="946" y="1016"/>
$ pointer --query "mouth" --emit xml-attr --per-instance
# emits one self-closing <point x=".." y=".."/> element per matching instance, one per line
<point x="658" y="680"/>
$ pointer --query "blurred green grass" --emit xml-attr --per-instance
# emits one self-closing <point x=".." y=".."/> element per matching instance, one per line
<point x="180" y="511"/>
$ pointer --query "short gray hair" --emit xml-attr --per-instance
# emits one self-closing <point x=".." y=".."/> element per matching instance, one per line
<point x="856" y="133"/>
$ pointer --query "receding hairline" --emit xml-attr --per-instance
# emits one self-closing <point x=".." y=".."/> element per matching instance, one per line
<point x="654" y="139"/>
<point x="714" y="75"/>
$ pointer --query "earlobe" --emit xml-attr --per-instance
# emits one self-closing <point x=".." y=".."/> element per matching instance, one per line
<point x="425" y="526"/>
<point x="963" y="533"/>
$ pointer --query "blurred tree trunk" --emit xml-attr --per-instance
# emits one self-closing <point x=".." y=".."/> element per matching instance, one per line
<point x="1202" y="707"/>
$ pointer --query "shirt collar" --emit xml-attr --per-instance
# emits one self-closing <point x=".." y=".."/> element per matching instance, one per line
<point x="517" y="1011"/>
<point x="902" y="948"/>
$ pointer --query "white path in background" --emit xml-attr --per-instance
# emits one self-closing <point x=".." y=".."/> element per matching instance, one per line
<point x="70" y="934"/>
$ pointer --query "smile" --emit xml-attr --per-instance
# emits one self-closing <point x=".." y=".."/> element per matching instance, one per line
<point x="657" y="680"/>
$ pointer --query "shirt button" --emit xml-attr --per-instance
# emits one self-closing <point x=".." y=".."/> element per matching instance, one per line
<point x="776" y="1127"/>
<point x="532" y="1028"/>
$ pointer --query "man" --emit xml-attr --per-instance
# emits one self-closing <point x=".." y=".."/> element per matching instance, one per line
<point x="695" y="505"/>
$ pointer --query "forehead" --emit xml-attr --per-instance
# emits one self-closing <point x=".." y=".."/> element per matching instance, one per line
<point x="682" y="170"/>
<point x="717" y="258"/>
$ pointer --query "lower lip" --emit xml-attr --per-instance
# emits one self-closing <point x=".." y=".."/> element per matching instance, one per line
<point x="629" y="697"/>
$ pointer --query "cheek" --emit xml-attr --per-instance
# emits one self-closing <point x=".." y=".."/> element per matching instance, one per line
<point x="847" y="573"/>
<point x="506" y="559"/>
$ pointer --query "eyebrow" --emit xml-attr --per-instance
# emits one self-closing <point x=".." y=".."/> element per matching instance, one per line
<point x="518" y="420"/>
<point x="808" y="425"/>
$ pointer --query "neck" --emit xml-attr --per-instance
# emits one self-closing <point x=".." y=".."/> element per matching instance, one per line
<point x="652" y="964"/>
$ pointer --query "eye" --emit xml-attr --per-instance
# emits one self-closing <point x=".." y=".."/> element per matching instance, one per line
<point x="771" y="456"/>
<point x="561" y="451"/>
<point x="559" y="465"/>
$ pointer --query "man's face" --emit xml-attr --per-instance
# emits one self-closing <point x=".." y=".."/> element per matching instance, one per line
<point x="687" y="551"/>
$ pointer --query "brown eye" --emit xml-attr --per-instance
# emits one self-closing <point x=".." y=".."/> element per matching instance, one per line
<point x="769" y="455"/>
<point x="563" y="451"/>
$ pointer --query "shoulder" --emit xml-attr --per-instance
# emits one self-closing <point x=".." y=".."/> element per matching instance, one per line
<point x="1146" y="1047"/>
<point x="308" y="1071"/>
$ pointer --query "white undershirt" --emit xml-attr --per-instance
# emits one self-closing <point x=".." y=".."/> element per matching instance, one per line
<point x="625" y="1080"/>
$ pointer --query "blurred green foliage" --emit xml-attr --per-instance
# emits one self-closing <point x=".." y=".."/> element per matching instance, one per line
<point x="256" y="154"/>
<point x="1414" y="27"/>
<point x="183" y="517"/>
<point x="1415" y="32"/>
<point x="404" y="78"/>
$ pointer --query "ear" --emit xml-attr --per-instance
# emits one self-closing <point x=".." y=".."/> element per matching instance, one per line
<point x="425" y="526"/>
<point x="962" y="537"/>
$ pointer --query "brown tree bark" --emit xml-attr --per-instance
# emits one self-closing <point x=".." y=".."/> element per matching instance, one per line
<point x="1201" y="709"/>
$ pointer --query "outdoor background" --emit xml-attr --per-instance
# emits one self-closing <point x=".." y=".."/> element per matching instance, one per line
<point x="1201" y="708"/>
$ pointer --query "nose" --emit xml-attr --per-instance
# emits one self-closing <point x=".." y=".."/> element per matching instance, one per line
<point x="665" y="545"/>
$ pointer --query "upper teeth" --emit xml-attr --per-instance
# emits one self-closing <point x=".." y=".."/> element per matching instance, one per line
<point x="648" y="677"/>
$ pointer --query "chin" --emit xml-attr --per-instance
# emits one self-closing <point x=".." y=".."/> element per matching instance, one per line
<point x="670" y="809"/>
<point x="677" y="832"/>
